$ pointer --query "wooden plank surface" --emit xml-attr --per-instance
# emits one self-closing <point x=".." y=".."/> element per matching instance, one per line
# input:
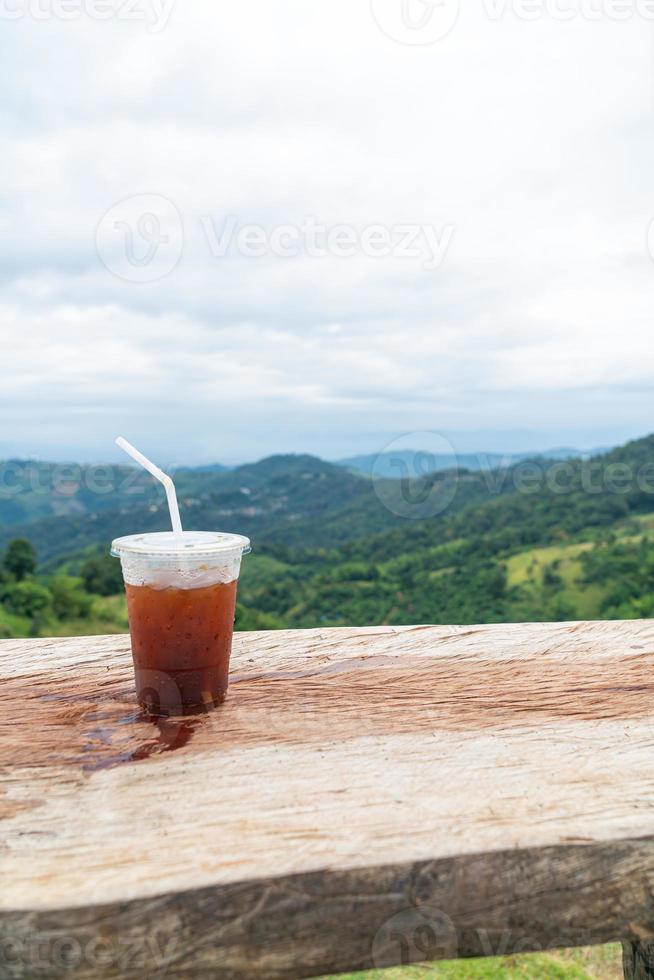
<point x="364" y="796"/>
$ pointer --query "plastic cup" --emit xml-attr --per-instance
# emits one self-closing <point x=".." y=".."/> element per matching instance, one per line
<point x="181" y="598"/>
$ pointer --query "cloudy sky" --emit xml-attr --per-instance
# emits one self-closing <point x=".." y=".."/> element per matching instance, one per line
<point x="228" y="230"/>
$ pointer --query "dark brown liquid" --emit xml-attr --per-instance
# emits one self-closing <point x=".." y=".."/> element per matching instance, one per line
<point x="181" y="642"/>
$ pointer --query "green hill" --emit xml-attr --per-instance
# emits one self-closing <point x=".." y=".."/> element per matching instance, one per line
<point x="543" y="539"/>
<point x="295" y="501"/>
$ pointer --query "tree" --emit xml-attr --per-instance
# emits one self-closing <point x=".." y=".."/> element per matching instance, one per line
<point x="20" y="559"/>
<point x="27" y="599"/>
<point x="69" y="599"/>
<point x="102" y="575"/>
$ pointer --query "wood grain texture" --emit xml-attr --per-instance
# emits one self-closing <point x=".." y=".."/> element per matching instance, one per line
<point x="638" y="961"/>
<point x="363" y="796"/>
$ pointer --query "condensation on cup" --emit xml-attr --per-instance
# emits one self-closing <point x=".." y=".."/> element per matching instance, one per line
<point x="181" y="600"/>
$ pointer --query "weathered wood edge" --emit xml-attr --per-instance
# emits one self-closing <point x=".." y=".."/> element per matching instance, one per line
<point x="638" y="960"/>
<point x="329" y="922"/>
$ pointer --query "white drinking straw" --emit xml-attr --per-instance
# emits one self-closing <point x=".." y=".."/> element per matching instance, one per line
<point x="169" y="486"/>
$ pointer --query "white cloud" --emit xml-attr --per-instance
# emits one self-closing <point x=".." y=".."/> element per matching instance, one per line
<point x="532" y="140"/>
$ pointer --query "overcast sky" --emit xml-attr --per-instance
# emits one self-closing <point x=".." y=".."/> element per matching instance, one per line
<point x="512" y="160"/>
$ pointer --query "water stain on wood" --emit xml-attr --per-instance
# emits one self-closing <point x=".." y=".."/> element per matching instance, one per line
<point x="170" y="734"/>
<point x="90" y="721"/>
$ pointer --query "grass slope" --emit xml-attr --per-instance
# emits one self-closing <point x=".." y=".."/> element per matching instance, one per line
<point x="588" y="963"/>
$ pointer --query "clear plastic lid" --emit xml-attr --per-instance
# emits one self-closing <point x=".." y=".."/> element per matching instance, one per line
<point x="193" y="544"/>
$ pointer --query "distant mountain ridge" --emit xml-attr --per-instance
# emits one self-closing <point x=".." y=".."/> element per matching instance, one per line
<point x="32" y="490"/>
<point x="293" y="500"/>
<point x="287" y="502"/>
<point x="546" y="539"/>
<point x="61" y="514"/>
<point x="397" y="464"/>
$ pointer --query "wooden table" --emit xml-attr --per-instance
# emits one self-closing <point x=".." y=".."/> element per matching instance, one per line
<point x="364" y="797"/>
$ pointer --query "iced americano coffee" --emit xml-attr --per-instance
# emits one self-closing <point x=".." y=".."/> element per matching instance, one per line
<point x="181" y="598"/>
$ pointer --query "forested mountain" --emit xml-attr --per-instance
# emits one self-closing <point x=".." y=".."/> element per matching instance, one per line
<point x="541" y="539"/>
<point x="299" y="501"/>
